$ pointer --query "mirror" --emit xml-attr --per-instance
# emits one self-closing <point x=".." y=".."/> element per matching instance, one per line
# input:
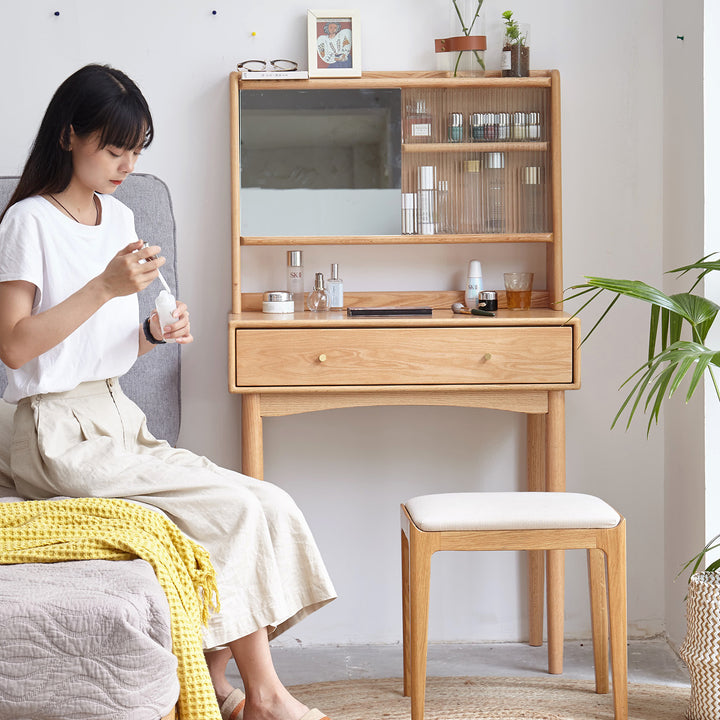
<point x="320" y="162"/>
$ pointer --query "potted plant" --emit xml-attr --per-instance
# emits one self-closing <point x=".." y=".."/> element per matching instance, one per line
<point x="516" y="48"/>
<point x="671" y="359"/>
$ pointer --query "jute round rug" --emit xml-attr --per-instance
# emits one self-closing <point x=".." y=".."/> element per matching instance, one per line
<point x="491" y="698"/>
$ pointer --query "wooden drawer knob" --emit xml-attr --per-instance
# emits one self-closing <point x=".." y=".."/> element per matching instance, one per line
<point x="322" y="357"/>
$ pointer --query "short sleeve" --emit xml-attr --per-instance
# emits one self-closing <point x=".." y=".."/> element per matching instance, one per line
<point x="21" y="256"/>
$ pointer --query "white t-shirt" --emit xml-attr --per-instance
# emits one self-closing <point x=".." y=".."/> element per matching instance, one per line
<point x="43" y="246"/>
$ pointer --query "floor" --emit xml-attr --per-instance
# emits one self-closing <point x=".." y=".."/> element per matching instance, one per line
<point x="649" y="661"/>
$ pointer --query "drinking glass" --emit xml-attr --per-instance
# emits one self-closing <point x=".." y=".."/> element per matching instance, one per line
<point x="518" y="290"/>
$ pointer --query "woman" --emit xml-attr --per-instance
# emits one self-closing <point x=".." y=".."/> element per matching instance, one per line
<point x="70" y="268"/>
<point x="335" y="45"/>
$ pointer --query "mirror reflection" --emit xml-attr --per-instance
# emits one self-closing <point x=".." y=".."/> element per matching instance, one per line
<point x="320" y="162"/>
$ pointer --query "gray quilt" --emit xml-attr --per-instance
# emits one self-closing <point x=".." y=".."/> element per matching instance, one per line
<point x="98" y="649"/>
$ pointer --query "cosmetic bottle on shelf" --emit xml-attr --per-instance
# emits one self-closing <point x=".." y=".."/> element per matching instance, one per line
<point x="296" y="279"/>
<point x="334" y="289"/>
<point x="426" y="210"/>
<point x="532" y="197"/>
<point x="318" y="299"/>
<point x="409" y="216"/>
<point x="474" y="284"/>
<point x="456" y="133"/>
<point x="493" y="193"/>
<point x="442" y="204"/>
<point x="418" y="123"/>
<point x="470" y="220"/>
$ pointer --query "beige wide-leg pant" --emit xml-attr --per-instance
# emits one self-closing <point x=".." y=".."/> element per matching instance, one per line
<point x="93" y="441"/>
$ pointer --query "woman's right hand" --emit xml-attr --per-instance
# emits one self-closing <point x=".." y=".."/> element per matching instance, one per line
<point x="131" y="270"/>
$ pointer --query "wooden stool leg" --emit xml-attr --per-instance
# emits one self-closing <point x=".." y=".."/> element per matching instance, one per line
<point x="420" y="555"/>
<point x="405" y="613"/>
<point x="536" y="558"/>
<point x="556" y="609"/>
<point x="599" y="617"/>
<point x="555" y="482"/>
<point x="617" y="596"/>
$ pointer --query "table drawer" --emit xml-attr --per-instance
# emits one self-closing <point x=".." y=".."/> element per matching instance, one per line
<point x="404" y="356"/>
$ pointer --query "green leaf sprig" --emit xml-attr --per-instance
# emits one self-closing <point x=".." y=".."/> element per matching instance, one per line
<point x="670" y="359"/>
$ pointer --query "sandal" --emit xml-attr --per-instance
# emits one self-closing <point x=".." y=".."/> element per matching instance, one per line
<point x="233" y="705"/>
<point x="314" y="714"/>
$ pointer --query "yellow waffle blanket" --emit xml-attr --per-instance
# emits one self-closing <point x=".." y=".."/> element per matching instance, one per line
<point x="109" y="529"/>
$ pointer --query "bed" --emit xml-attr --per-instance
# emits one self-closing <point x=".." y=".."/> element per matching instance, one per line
<point x="90" y="639"/>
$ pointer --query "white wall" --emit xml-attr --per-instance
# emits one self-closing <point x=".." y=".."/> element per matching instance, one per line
<point x="683" y="243"/>
<point x="712" y="245"/>
<point x="349" y="469"/>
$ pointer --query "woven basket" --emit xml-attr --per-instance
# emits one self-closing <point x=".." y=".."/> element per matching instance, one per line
<point x="701" y="649"/>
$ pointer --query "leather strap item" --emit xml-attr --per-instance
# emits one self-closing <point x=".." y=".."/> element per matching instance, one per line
<point x="460" y="43"/>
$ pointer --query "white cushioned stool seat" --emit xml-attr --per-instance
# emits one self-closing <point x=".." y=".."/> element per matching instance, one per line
<point x="510" y="511"/>
<point x="547" y="523"/>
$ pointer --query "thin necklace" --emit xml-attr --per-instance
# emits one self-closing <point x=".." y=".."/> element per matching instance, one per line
<point x="97" y="209"/>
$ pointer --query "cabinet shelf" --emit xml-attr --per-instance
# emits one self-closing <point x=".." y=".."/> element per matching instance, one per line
<point x="398" y="239"/>
<point x="475" y="147"/>
<point x="403" y="79"/>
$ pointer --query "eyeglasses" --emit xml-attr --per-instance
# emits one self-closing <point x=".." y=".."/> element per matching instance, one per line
<point x="267" y="65"/>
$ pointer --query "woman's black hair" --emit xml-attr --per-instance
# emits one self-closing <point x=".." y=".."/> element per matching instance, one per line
<point x="95" y="99"/>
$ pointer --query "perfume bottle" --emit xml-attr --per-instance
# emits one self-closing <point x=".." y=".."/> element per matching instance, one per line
<point x="296" y="279"/>
<point x="418" y="123"/>
<point x="335" y="289"/>
<point x="318" y="299"/>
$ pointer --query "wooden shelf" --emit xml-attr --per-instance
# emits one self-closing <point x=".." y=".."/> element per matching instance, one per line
<point x="408" y="79"/>
<point x="439" y="300"/>
<point x="475" y="147"/>
<point x="493" y="238"/>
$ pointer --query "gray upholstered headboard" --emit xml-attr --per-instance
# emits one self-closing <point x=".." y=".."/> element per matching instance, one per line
<point x="154" y="381"/>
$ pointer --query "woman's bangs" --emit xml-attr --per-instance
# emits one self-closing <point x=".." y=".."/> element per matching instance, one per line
<point x="127" y="126"/>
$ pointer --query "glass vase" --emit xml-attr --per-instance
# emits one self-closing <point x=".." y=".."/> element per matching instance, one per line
<point x="462" y="53"/>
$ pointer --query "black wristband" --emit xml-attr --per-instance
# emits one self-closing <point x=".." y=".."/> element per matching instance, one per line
<point x="148" y="335"/>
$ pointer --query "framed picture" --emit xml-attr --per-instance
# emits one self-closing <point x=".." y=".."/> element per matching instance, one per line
<point x="333" y="43"/>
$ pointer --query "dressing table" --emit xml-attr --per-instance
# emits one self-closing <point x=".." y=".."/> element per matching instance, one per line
<point x="519" y="361"/>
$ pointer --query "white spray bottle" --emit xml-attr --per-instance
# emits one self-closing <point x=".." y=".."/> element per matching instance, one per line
<point x="474" y="284"/>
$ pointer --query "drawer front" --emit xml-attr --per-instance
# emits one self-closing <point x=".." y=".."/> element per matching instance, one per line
<point x="404" y="356"/>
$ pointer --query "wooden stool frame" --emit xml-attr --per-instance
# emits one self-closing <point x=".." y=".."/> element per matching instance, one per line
<point x="608" y="594"/>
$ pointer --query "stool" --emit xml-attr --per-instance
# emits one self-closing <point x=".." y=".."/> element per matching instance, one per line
<point x="516" y="521"/>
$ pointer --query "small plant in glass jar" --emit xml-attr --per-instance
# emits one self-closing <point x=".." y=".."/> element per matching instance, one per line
<point x="516" y="48"/>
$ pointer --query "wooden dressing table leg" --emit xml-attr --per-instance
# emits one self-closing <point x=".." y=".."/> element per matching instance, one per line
<point x="536" y="558"/>
<point x="252" y="437"/>
<point x="555" y="482"/>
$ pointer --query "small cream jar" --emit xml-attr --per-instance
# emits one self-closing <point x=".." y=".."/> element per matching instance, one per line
<point x="278" y="301"/>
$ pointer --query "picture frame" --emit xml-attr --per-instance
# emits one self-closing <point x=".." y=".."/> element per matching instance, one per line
<point x="333" y="43"/>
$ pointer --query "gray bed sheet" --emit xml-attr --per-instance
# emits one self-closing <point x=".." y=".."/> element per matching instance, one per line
<point x="99" y="649"/>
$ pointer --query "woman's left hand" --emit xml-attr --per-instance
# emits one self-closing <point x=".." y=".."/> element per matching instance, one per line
<point x="179" y="331"/>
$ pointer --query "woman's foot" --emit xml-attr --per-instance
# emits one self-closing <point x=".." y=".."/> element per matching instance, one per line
<point x="280" y="706"/>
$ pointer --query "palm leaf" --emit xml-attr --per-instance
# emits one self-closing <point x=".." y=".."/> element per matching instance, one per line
<point x="662" y="375"/>
<point x="703" y="265"/>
